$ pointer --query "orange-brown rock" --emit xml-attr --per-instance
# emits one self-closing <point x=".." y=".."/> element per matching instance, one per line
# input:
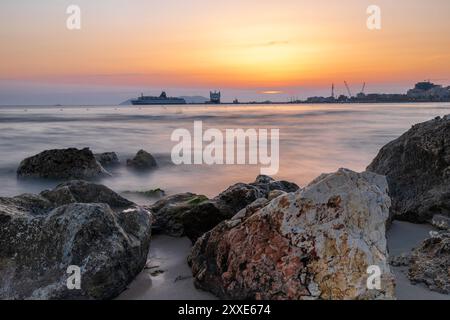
<point x="316" y="243"/>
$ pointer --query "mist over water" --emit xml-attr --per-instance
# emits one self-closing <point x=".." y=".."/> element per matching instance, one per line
<point x="313" y="139"/>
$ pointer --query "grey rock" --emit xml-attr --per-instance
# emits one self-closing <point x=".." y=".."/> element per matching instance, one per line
<point x="107" y="159"/>
<point x="96" y="230"/>
<point x="430" y="263"/>
<point x="151" y="194"/>
<point x="64" y="164"/>
<point x="84" y="192"/>
<point x="441" y="222"/>
<point x="402" y="260"/>
<point x="142" y="161"/>
<point x="417" y="167"/>
<point x="168" y="213"/>
<point x="264" y="179"/>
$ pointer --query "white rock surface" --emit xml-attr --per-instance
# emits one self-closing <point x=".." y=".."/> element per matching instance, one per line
<point x="317" y="243"/>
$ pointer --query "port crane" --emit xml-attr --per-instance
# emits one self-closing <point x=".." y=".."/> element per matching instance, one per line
<point x="348" y="89"/>
<point x="363" y="88"/>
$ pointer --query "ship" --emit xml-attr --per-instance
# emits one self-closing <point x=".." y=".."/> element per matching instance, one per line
<point x="161" y="100"/>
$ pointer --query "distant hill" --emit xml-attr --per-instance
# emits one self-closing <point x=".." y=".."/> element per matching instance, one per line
<point x="126" y="103"/>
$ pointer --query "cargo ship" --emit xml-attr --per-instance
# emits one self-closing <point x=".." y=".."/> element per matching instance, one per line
<point x="161" y="100"/>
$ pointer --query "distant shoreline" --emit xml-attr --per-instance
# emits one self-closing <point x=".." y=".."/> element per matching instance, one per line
<point x="219" y="104"/>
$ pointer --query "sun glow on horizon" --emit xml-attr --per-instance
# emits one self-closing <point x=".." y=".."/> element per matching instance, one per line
<point x="251" y="44"/>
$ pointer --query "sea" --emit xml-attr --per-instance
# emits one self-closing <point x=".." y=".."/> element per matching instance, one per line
<point x="313" y="139"/>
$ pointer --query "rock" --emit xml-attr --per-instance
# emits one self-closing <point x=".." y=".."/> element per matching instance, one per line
<point x="267" y="184"/>
<point x="249" y="210"/>
<point x="152" y="194"/>
<point x="262" y="179"/>
<point x="107" y="159"/>
<point x="168" y="213"/>
<point x="441" y="222"/>
<point x="417" y="167"/>
<point x="203" y="217"/>
<point x="316" y="243"/>
<point x="95" y="229"/>
<point x="238" y="196"/>
<point x="402" y="260"/>
<point x="62" y="164"/>
<point x="430" y="263"/>
<point x="180" y="215"/>
<point x="275" y="194"/>
<point x="142" y="161"/>
<point x="84" y="192"/>
<point x="209" y="214"/>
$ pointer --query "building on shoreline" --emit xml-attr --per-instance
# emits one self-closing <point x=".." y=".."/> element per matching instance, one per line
<point x="429" y="91"/>
<point x="214" y="97"/>
<point x="425" y="91"/>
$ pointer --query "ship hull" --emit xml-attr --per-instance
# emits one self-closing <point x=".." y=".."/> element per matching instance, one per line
<point x="157" y="102"/>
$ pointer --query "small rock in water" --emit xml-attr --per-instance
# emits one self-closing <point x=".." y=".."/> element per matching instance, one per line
<point x="155" y="193"/>
<point x="142" y="161"/>
<point x="108" y="159"/>
<point x="62" y="164"/>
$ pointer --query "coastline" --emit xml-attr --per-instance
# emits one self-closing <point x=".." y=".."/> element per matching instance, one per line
<point x="170" y="255"/>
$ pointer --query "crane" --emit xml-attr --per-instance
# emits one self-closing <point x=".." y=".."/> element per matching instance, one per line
<point x="363" y="88"/>
<point x="348" y="89"/>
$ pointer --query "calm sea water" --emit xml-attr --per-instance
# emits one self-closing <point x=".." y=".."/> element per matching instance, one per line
<point x="313" y="139"/>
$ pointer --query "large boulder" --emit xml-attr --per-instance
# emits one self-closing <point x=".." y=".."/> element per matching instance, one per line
<point x="64" y="164"/>
<point x="142" y="161"/>
<point x="417" y="167"/>
<point x="430" y="263"/>
<point x="76" y="224"/>
<point x="192" y="215"/>
<point x="316" y="243"/>
<point x="84" y="192"/>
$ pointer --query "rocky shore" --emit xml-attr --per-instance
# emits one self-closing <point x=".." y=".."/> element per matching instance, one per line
<point x="265" y="239"/>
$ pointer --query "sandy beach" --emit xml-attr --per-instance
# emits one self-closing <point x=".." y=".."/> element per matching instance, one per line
<point x="167" y="275"/>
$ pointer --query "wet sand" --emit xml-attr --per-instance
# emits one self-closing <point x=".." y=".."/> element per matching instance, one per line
<point x="402" y="238"/>
<point x="167" y="276"/>
<point x="168" y="255"/>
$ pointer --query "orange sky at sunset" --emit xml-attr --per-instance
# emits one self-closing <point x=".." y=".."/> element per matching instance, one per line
<point x="269" y="45"/>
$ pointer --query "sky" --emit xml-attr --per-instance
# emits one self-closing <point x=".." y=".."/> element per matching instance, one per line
<point x="248" y="49"/>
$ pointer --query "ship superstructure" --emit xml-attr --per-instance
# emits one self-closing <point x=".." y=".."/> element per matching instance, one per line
<point x="161" y="100"/>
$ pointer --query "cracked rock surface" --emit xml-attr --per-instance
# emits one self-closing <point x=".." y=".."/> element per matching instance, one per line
<point x="316" y="243"/>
